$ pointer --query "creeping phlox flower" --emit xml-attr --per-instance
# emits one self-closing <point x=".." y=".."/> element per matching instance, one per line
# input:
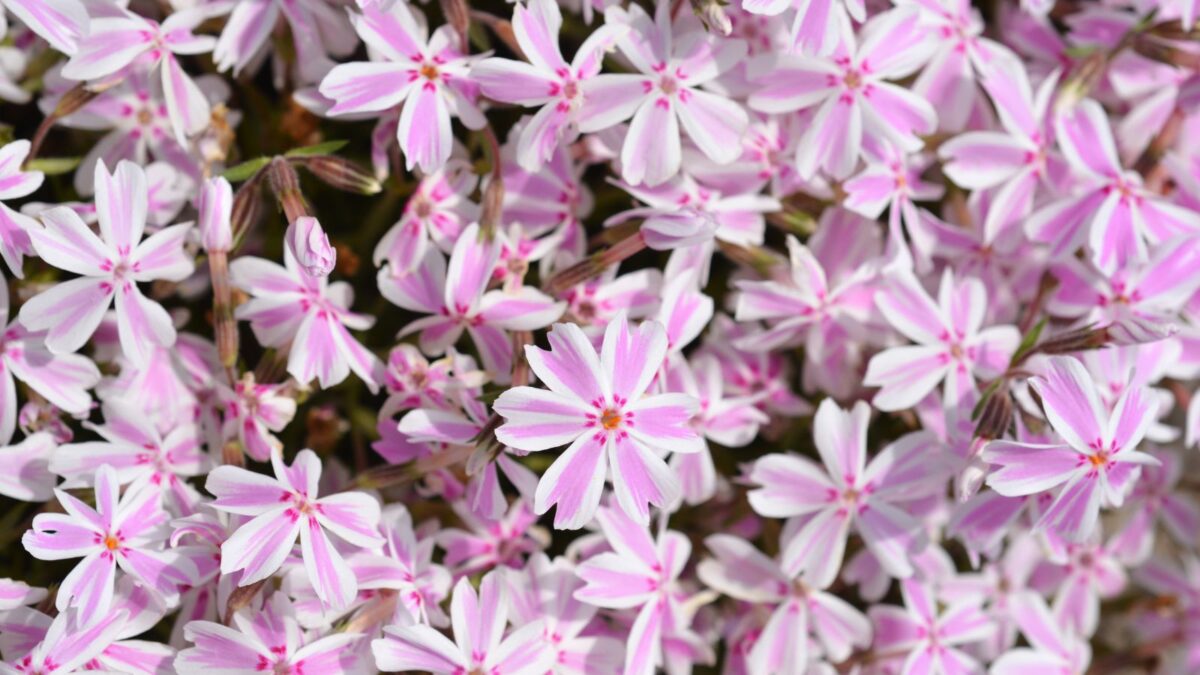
<point x="578" y="337"/>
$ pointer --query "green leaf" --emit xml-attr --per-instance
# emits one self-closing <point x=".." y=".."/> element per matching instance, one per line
<point x="988" y="392"/>
<point x="1027" y="342"/>
<point x="245" y="170"/>
<point x="53" y="166"/>
<point x="326" y="148"/>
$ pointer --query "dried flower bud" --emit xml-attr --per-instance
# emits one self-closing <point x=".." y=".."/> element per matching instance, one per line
<point x="216" y="209"/>
<point x="342" y="174"/>
<point x="310" y="246"/>
<point x="712" y="14"/>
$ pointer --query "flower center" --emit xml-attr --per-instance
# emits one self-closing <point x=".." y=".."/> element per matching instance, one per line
<point x="111" y="543"/>
<point x="610" y="419"/>
<point x="570" y="90"/>
<point x="1099" y="459"/>
<point x="668" y="85"/>
<point x="429" y="71"/>
<point x="852" y="79"/>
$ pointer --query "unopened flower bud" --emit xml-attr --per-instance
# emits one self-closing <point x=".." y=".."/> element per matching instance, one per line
<point x="310" y="246"/>
<point x="342" y="174"/>
<point x="216" y="209"/>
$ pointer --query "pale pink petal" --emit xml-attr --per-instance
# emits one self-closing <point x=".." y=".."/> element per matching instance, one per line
<point x="514" y="81"/>
<point x="366" y="87"/>
<point x="121" y="202"/>
<point x="789" y="485"/>
<point x="67" y="243"/>
<point x="818" y="548"/>
<point x="841" y="440"/>
<point x="60" y="22"/>
<point x="651" y="152"/>
<point x="663" y="422"/>
<point x="640" y="477"/>
<point x="246" y="31"/>
<point x="69" y="312"/>
<point x="424" y="131"/>
<point x="417" y="647"/>
<point x="536" y="419"/>
<point x="421" y="289"/>
<point x="331" y="578"/>
<point x="55" y="536"/>
<point x="1026" y="469"/>
<point x="1086" y="139"/>
<point x="1074" y="513"/>
<point x="353" y="516"/>
<point x="644" y="650"/>
<point x="1072" y="404"/>
<point x="471" y="266"/>
<point x="714" y="123"/>
<point x="187" y="108"/>
<point x="631" y="356"/>
<point x="259" y="547"/>
<point x="523" y="309"/>
<point x="141" y="324"/>
<point x="905" y="375"/>
<point x="982" y="159"/>
<point x="783" y="643"/>
<point x="609" y="99"/>
<point x="315" y="353"/>
<point x="162" y="256"/>
<point x="891" y="534"/>
<point x="574" y="482"/>
<point x="612" y="582"/>
<point x="89" y="586"/>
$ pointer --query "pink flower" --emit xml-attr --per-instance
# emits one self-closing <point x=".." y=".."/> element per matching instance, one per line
<point x="641" y="572"/>
<point x="253" y="411"/>
<point x="853" y="96"/>
<point x="110" y="265"/>
<point x="567" y="92"/>
<point x="934" y="640"/>
<point x="666" y="95"/>
<point x="458" y="299"/>
<point x="134" y="114"/>
<point x="744" y="573"/>
<point x="15" y="183"/>
<point x="428" y="74"/>
<point x="479" y="622"/>
<point x="730" y="421"/>
<point x="439" y="209"/>
<point x="310" y="314"/>
<point x="138" y="454"/>
<point x="286" y="507"/>
<point x="1053" y="647"/>
<point x="950" y="345"/>
<point x="1013" y="162"/>
<point x="892" y="181"/>
<point x="491" y="541"/>
<point x="1142" y="297"/>
<point x="848" y="491"/>
<point x="68" y="643"/>
<point x="310" y="246"/>
<point x="596" y="404"/>
<point x="123" y="532"/>
<point x="267" y="639"/>
<point x="544" y="593"/>
<point x="62" y="379"/>
<point x="961" y="56"/>
<point x="804" y="307"/>
<point x="114" y="42"/>
<point x="1110" y="210"/>
<point x="1096" y="463"/>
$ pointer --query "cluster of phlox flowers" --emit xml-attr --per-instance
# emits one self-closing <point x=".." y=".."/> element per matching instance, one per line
<point x="599" y="337"/>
